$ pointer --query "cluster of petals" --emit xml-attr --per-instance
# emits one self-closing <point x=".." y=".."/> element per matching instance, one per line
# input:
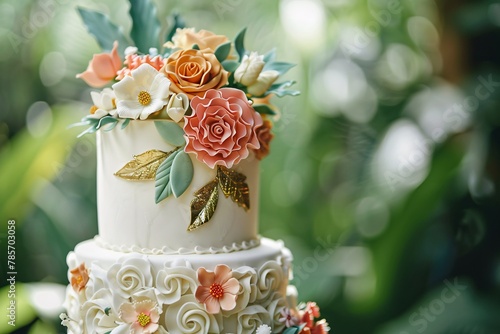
<point x="222" y="127"/>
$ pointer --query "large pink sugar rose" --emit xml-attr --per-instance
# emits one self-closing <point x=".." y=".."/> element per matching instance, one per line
<point x="221" y="129"/>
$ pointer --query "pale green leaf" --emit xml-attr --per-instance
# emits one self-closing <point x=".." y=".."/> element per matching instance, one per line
<point x="230" y="65"/>
<point x="181" y="174"/>
<point x="280" y="67"/>
<point x="222" y="51"/>
<point x="163" y="187"/>
<point x="145" y="25"/>
<point x="171" y="132"/>
<point x="239" y="43"/>
<point x="104" y="31"/>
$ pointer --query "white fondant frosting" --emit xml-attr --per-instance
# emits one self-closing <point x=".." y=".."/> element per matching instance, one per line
<point x="128" y="214"/>
<point x="117" y="279"/>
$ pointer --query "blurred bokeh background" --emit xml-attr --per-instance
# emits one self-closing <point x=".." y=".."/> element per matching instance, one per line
<point x="384" y="175"/>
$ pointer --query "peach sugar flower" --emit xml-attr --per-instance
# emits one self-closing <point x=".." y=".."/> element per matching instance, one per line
<point x="102" y="68"/>
<point x="221" y="128"/>
<point x="79" y="277"/>
<point x="142" y="316"/>
<point x="218" y="289"/>
<point x="193" y="72"/>
<point x="206" y="40"/>
<point x="133" y="61"/>
<point x="265" y="136"/>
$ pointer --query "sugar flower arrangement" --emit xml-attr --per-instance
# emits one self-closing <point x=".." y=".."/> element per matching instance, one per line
<point x="207" y="95"/>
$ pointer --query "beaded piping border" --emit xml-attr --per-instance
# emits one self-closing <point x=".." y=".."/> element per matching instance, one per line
<point x="235" y="247"/>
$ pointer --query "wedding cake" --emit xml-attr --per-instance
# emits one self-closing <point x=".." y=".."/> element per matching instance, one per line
<point x="180" y="130"/>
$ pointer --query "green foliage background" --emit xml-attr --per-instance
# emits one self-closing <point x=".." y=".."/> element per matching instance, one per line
<point x="384" y="173"/>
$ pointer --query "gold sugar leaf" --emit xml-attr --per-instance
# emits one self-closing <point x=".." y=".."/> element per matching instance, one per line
<point x="233" y="184"/>
<point x="203" y="205"/>
<point x="143" y="167"/>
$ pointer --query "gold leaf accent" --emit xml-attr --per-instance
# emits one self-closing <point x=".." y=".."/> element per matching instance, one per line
<point x="233" y="184"/>
<point x="203" y="205"/>
<point x="143" y="167"/>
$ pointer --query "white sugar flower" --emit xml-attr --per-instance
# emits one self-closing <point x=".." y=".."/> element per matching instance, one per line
<point x="141" y="94"/>
<point x="104" y="103"/>
<point x="264" y="81"/>
<point x="264" y="329"/>
<point x="249" y="69"/>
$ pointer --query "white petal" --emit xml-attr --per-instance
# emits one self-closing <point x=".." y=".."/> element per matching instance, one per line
<point x="144" y="75"/>
<point x="125" y="89"/>
<point x="160" y="87"/>
<point x="129" y="109"/>
<point x="96" y="97"/>
<point x="154" y="106"/>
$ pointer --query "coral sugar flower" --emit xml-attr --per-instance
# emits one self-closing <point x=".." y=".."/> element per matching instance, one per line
<point x="218" y="289"/>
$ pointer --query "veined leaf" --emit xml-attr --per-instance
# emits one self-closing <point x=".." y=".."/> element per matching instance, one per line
<point x="163" y="188"/>
<point x="143" y="167"/>
<point x="264" y="109"/>
<point x="171" y="132"/>
<point x="178" y="23"/>
<point x="181" y="173"/>
<point x="145" y="25"/>
<point x="230" y="65"/>
<point x="233" y="184"/>
<point x="104" y="31"/>
<point x="278" y="66"/>
<point x="203" y="205"/>
<point x="280" y="89"/>
<point x="222" y="51"/>
<point x="239" y="43"/>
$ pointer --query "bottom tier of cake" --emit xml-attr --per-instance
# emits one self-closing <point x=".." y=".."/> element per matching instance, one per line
<point x="238" y="292"/>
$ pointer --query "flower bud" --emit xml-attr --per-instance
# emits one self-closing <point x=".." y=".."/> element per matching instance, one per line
<point x="177" y="106"/>
<point x="249" y="69"/>
<point x="264" y="81"/>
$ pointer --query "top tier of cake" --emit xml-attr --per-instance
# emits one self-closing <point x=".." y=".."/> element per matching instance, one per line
<point x="130" y="220"/>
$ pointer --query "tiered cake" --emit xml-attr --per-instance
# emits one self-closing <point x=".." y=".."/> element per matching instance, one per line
<point x="179" y="139"/>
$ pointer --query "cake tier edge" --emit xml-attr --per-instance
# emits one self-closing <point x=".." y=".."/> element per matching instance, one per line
<point x="109" y="288"/>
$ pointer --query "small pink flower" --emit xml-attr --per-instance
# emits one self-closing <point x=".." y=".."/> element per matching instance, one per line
<point x="288" y="318"/>
<point x="221" y="129"/>
<point x="218" y="289"/>
<point x="79" y="277"/>
<point x="142" y="316"/>
<point x="102" y="68"/>
<point x="133" y="61"/>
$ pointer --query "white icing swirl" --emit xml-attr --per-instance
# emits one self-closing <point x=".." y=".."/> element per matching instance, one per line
<point x="234" y="247"/>
<point x="128" y="276"/>
<point x="270" y="279"/>
<point x="274" y="308"/>
<point x="95" y="319"/>
<point x="251" y="318"/>
<point x="247" y="277"/>
<point x="97" y="280"/>
<point x="188" y="316"/>
<point x="174" y="282"/>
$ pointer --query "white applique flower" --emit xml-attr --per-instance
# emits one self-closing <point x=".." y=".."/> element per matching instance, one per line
<point x="263" y="329"/>
<point x="264" y="81"/>
<point x="141" y="316"/>
<point x="249" y="69"/>
<point x="141" y="94"/>
<point x="104" y="103"/>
